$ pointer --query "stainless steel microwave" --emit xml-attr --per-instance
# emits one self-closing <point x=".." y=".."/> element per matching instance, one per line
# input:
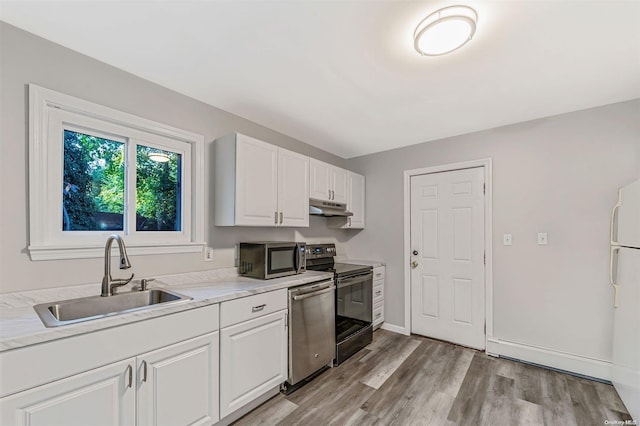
<point x="272" y="259"/>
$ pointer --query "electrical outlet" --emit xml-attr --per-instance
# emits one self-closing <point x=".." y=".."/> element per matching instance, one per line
<point x="542" y="239"/>
<point x="506" y="240"/>
<point x="208" y="254"/>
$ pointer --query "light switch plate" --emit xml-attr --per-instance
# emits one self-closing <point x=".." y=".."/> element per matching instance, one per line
<point x="506" y="239"/>
<point x="542" y="238"/>
<point x="208" y="254"/>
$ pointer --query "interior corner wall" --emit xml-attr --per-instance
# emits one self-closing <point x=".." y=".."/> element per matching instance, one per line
<point x="558" y="175"/>
<point x="26" y="58"/>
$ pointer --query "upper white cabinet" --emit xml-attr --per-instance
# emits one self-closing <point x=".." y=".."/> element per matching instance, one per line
<point x="355" y="204"/>
<point x="259" y="184"/>
<point x="327" y="182"/>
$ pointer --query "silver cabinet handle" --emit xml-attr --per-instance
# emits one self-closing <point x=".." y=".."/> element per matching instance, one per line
<point x="333" y="194"/>
<point x="378" y="274"/>
<point x="144" y="371"/>
<point x="379" y="314"/>
<point x="275" y="218"/>
<point x="258" y="308"/>
<point x="349" y="220"/>
<point x="280" y="217"/>
<point x="130" y="371"/>
<point x="378" y="293"/>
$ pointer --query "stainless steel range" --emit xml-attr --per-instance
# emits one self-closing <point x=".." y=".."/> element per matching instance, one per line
<point x="354" y="285"/>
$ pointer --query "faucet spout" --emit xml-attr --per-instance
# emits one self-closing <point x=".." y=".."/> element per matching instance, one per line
<point x="124" y="264"/>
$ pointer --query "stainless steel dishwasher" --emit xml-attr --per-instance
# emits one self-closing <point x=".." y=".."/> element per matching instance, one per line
<point x="312" y="331"/>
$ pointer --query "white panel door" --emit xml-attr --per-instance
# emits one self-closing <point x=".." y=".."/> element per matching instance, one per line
<point x="178" y="385"/>
<point x="293" y="188"/>
<point x="256" y="182"/>
<point x="253" y="360"/>
<point x="447" y="255"/>
<point x="104" y="396"/>
<point x="340" y="180"/>
<point x="320" y="183"/>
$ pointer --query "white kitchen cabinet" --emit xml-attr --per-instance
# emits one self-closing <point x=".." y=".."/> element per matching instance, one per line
<point x="327" y="182"/>
<point x="355" y="204"/>
<point x="83" y="380"/>
<point x="379" y="273"/>
<point x="179" y="384"/>
<point x="104" y="396"/>
<point x="259" y="184"/>
<point x="253" y="352"/>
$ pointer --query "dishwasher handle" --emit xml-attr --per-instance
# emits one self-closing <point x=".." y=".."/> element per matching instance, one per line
<point x="315" y="293"/>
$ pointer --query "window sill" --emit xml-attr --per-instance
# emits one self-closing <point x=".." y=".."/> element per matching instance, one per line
<point x="38" y="253"/>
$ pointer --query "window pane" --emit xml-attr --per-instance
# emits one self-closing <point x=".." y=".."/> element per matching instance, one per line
<point x="93" y="183"/>
<point x="158" y="190"/>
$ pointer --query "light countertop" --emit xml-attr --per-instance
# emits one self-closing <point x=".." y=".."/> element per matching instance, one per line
<point x="20" y="325"/>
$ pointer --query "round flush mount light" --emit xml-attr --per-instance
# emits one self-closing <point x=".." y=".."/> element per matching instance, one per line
<point x="445" y="30"/>
<point x="159" y="157"/>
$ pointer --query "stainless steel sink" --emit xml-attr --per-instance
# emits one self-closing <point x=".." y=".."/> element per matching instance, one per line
<point x="63" y="312"/>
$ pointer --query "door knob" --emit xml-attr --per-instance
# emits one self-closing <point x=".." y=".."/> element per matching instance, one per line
<point x="414" y="264"/>
<point x="415" y="252"/>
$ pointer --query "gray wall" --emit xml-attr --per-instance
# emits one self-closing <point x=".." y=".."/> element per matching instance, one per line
<point x="558" y="175"/>
<point x="26" y="58"/>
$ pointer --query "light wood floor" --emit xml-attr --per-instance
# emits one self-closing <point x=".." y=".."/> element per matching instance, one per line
<point x="411" y="380"/>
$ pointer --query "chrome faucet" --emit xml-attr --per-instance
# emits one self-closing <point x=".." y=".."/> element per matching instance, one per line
<point x="109" y="285"/>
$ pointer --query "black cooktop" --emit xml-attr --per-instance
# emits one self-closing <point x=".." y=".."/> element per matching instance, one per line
<point x="341" y="269"/>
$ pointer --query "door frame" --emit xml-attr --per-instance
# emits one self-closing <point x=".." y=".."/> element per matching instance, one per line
<point x="486" y="164"/>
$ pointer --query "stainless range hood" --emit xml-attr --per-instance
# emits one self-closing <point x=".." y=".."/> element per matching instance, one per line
<point x="328" y="208"/>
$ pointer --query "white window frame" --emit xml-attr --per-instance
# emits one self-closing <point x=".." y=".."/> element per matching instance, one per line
<point x="50" y="112"/>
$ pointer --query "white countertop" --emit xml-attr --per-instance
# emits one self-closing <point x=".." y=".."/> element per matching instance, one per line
<point x="20" y="325"/>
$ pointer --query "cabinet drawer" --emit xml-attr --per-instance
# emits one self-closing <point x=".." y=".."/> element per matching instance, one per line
<point x="246" y="308"/>
<point x="378" y="312"/>
<point x="379" y="273"/>
<point x="378" y="292"/>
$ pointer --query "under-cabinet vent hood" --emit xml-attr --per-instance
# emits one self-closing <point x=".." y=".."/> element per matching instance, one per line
<point x="328" y="208"/>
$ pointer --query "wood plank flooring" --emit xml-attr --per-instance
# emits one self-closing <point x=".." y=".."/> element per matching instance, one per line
<point x="411" y="380"/>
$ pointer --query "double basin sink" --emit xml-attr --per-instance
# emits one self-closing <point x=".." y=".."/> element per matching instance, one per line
<point x="63" y="312"/>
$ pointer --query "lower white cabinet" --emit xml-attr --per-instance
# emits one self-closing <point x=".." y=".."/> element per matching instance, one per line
<point x="175" y="385"/>
<point x="378" y="295"/>
<point x="253" y="359"/>
<point x="178" y="385"/>
<point x="104" y="396"/>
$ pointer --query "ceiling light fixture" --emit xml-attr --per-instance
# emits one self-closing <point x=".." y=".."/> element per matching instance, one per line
<point x="159" y="157"/>
<point x="445" y="30"/>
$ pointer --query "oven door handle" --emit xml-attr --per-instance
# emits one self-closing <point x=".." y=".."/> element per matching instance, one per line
<point x="344" y="282"/>
<point x="315" y="293"/>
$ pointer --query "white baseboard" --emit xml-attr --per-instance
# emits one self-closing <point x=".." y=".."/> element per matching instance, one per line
<point x="395" y="329"/>
<point x="550" y="358"/>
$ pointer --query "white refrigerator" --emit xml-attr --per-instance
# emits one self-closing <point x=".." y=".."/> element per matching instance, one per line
<point x="625" y="278"/>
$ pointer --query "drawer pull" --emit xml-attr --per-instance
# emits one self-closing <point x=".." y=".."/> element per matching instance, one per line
<point x="379" y="274"/>
<point x="378" y="314"/>
<point x="258" y="308"/>
<point x="130" y="371"/>
<point x="378" y="293"/>
<point x="144" y="375"/>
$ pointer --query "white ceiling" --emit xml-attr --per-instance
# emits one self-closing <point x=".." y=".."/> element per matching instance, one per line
<point x="343" y="75"/>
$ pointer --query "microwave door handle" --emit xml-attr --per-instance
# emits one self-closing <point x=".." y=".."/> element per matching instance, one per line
<point x="296" y="259"/>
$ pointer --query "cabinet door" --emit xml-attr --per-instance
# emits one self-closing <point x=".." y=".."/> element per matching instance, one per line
<point x="356" y="200"/>
<point x="320" y="183"/>
<point x="340" y="180"/>
<point x="256" y="182"/>
<point x="104" y="396"/>
<point x="178" y="384"/>
<point x="293" y="188"/>
<point x="253" y="360"/>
